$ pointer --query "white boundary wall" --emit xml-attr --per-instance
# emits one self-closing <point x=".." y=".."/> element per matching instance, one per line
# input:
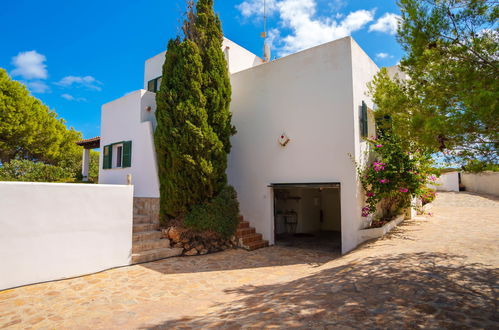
<point x="447" y="182"/>
<point x="52" y="231"/>
<point x="484" y="183"/>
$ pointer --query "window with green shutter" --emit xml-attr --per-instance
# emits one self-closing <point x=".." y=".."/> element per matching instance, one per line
<point x="127" y="154"/>
<point x="364" y="120"/>
<point x="107" y="157"/>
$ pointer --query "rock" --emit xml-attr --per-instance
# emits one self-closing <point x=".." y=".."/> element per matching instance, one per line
<point x="203" y="251"/>
<point x="191" y="252"/>
<point x="165" y="232"/>
<point x="199" y="247"/>
<point x="178" y="245"/>
<point x="175" y="234"/>
<point x="187" y="246"/>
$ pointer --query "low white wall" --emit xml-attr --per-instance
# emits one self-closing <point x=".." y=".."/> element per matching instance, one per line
<point x="484" y="183"/>
<point x="52" y="231"/>
<point x="447" y="182"/>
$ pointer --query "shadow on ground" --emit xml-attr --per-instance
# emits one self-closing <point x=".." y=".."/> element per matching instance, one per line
<point x="240" y="259"/>
<point x="429" y="290"/>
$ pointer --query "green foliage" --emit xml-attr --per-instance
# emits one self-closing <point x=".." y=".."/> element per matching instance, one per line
<point x="93" y="168"/>
<point x="184" y="140"/>
<point x="220" y="215"/>
<point x="476" y="166"/>
<point x="203" y="27"/>
<point x="26" y="170"/>
<point x="450" y="104"/>
<point x="395" y="177"/>
<point x="193" y="116"/>
<point x="30" y="130"/>
<point x="428" y="195"/>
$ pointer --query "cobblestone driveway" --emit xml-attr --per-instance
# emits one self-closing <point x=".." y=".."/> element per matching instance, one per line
<point x="435" y="273"/>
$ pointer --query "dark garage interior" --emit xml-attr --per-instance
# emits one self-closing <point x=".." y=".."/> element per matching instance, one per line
<point x="308" y="216"/>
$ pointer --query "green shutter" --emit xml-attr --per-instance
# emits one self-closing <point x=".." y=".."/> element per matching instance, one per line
<point x="363" y="120"/>
<point x="127" y="154"/>
<point x="107" y="158"/>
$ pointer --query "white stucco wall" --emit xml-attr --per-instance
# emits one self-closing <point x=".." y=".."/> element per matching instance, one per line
<point x="447" y="182"/>
<point x="127" y="119"/>
<point x="54" y="231"/>
<point x="239" y="59"/>
<point x="310" y="97"/>
<point x="482" y="183"/>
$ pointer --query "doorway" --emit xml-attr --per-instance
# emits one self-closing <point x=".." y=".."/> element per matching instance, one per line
<point x="308" y="216"/>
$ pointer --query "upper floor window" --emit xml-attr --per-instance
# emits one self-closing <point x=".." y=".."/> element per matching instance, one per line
<point x="366" y="121"/>
<point x="154" y="85"/>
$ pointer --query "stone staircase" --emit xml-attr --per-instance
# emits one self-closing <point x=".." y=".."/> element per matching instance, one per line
<point x="147" y="243"/>
<point x="248" y="238"/>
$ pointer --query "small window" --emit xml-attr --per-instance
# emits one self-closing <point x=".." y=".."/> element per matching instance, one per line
<point x="364" y="120"/>
<point x="151" y="86"/>
<point x="154" y="85"/>
<point x="119" y="156"/>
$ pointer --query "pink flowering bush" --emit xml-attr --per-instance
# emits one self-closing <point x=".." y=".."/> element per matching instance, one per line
<point x="394" y="178"/>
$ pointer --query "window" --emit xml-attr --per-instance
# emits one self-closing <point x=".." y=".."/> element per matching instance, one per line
<point x="119" y="155"/>
<point x="364" y="120"/>
<point x="154" y="85"/>
<point x="120" y="152"/>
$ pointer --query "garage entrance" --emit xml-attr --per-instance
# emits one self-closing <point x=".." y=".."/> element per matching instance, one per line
<point x="308" y="215"/>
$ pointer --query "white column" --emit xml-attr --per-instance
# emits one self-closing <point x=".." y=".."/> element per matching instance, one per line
<point x="85" y="163"/>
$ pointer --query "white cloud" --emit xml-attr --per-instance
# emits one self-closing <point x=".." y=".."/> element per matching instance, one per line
<point x="383" y="55"/>
<point x="388" y="23"/>
<point x="30" y="65"/>
<point x="37" y="86"/>
<point x="307" y="29"/>
<point x="298" y="15"/>
<point x="255" y="7"/>
<point x="87" y="82"/>
<point x="70" y="97"/>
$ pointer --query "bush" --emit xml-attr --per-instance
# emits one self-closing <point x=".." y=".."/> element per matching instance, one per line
<point x="26" y="170"/>
<point x="428" y="195"/>
<point x="394" y="178"/>
<point x="220" y="215"/>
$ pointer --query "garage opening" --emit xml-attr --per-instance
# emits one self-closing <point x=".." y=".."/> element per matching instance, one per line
<point x="308" y="216"/>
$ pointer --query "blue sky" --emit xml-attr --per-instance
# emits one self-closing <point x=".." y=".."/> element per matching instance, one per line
<point x="77" y="55"/>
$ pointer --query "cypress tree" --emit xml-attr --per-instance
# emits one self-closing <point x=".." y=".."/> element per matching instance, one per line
<point x="204" y="28"/>
<point x="184" y="140"/>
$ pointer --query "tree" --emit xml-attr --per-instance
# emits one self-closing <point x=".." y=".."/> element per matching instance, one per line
<point x="184" y="140"/>
<point x="450" y="103"/>
<point x="193" y="131"/>
<point x="203" y="27"/>
<point x="30" y="130"/>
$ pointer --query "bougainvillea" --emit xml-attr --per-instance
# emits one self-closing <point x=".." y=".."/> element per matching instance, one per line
<point x="394" y="178"/>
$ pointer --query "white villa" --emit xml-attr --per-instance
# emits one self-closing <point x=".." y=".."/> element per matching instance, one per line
<point x="299" y="119"/>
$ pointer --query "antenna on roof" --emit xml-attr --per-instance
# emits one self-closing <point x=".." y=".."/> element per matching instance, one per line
<point x="266" y="48"/>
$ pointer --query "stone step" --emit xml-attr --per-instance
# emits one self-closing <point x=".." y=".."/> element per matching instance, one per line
<point x="256" y="245"/>
<point x="245" y="231"/>
<point x="251" y="238"/>
<point x="141" y="227"/>
<point x="157" y="254"/>
<point x="142" y="246"/>
<point x="243" y="224"/>
<point x="147" y="236"/>
<point x="141" y="218"/>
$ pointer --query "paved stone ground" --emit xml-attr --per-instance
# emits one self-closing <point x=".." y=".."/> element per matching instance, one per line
<point x="439" y="272"/>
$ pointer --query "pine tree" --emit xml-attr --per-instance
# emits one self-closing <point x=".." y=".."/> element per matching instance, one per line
<point x="184" y="140"/>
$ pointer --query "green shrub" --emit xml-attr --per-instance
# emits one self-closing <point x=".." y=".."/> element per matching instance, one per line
<point x="26" y="170"/>
<point x="220" y="215"/>
<point x="428" y="195"/>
